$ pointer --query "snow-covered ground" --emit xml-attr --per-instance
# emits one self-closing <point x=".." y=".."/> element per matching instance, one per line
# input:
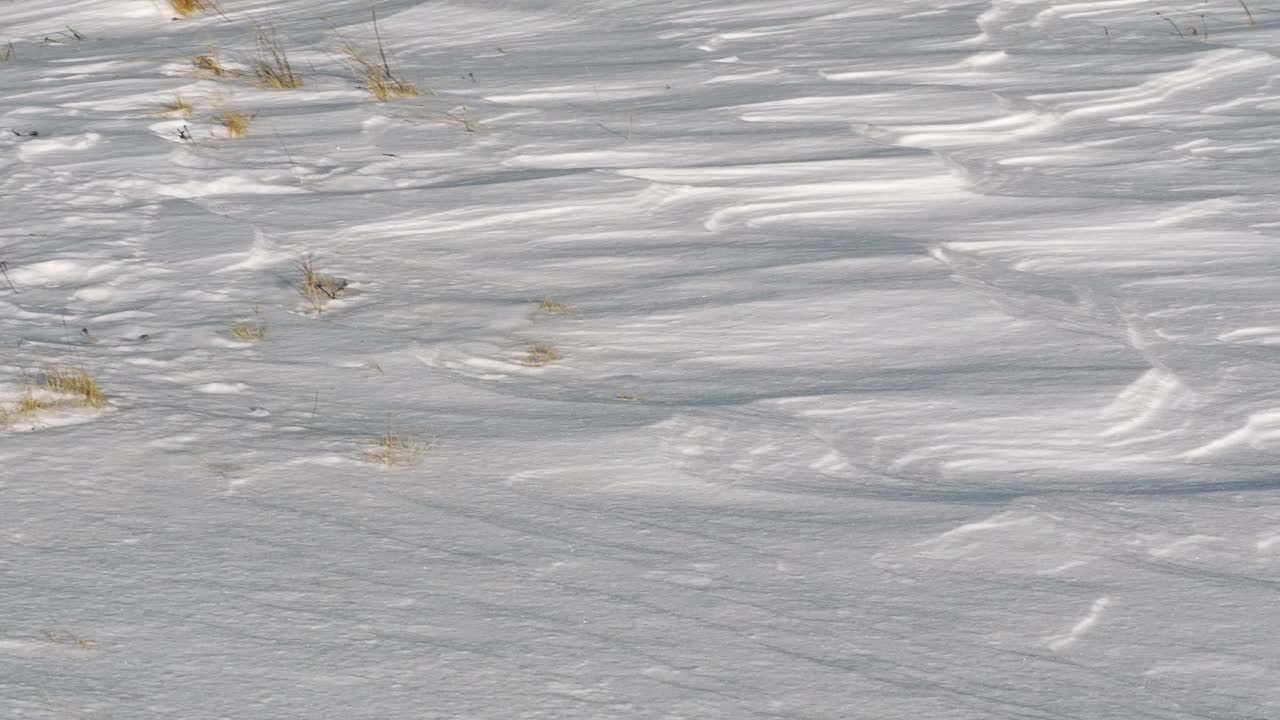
<point x="923" y="361"/>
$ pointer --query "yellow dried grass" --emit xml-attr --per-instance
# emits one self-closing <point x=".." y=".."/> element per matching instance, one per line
<point x="53" y="388"/>
<point x="209" y="63"/>
<point x="552" y="307"/>
<point x="236" y="123"/>
<point x="251" y="330"/>
<point x="187" y="8"/>
<point x="378" y="79"/>
<point x="178" y="105"/>
<point x="271" y="67"/>
<point x="76" y="382"/>
<point x="319" y="287"/>
<point x="392" y="448"/>
<point x="539" y="355"/>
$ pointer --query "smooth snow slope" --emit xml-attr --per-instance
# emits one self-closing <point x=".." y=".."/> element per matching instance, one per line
<point x="923" y="362"/>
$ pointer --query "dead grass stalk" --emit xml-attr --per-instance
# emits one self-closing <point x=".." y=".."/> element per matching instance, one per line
<point x="539" y="355"/>
<point x="392" y="448"/>
<point x="319" y="287"/>
<point x="236" y="123"/>
<point x="251" y="330"/>
<point x="187" y="8"/>
<point x="377" y="76"/>
<point x="271" y="67"/>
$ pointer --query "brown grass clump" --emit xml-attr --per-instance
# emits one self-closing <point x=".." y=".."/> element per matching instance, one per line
<point x="209" y="63"/>
<point x="76" y="382"/>
<point x="67" y="638"/>
<point x="30" y="404"/>
<point x="25" y="408"/>
<point x="318" y="287"/>
<point x="392" y="448"/>
<point x="378" y="78"/>
<point x="251" y="330"/>
<point x="187" y="8"/>
<point x="54" y="388"/>
<point x="271" y="68"/>
<point x="552" y="307"/>
<point x="178" y="105"/>
<point x="539" y="355"/>
<point x="236" y="123"/>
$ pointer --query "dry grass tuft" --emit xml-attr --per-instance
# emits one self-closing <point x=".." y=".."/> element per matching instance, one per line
<point x="7" y="53"/>
<point x="54" y="388"/>
<point x="187" y="8"/>
<point x="270" y="67"/>
<point x="76" y="382"/>
<point x="377" y="76"/>
<point x="378" y="79"/>
<point x="539" y="355"/>
<point x="251" y="330"/>
<point x="462" y="117"/>
<point x="551" y="307"/>
<point x="67" y="638"/>
<point x="319" y="287"/>
<point x="178" y="105"/>
<point x="236" y="123"/>
<point x="392" y="448"/>
<point x="30" y="404"/>
<point x="209" y="63"/>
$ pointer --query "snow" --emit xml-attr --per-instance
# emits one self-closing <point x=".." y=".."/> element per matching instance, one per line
<point x="919" y="362"/>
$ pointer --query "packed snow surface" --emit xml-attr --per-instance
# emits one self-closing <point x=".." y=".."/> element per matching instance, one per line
<point x="903" y="359"/>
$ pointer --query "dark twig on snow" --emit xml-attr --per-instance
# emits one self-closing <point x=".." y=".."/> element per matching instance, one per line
<point x="385" y="65"/>
<point x="1252" y="22"/>
<point x="1171" y="23"/>
<point x="4" y="270"/>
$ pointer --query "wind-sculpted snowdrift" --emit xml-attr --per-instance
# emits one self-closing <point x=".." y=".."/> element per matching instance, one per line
<point x="896" y="360"/>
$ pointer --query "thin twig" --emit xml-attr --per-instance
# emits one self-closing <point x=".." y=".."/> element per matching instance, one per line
<point x="4" y="270"/>
<point x="385" y="65"/>
<point x="1174" y="24"/>
<point x="218" y="10"/>
<point x="283" y="146"/>
<point x="1252" y="23"/>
